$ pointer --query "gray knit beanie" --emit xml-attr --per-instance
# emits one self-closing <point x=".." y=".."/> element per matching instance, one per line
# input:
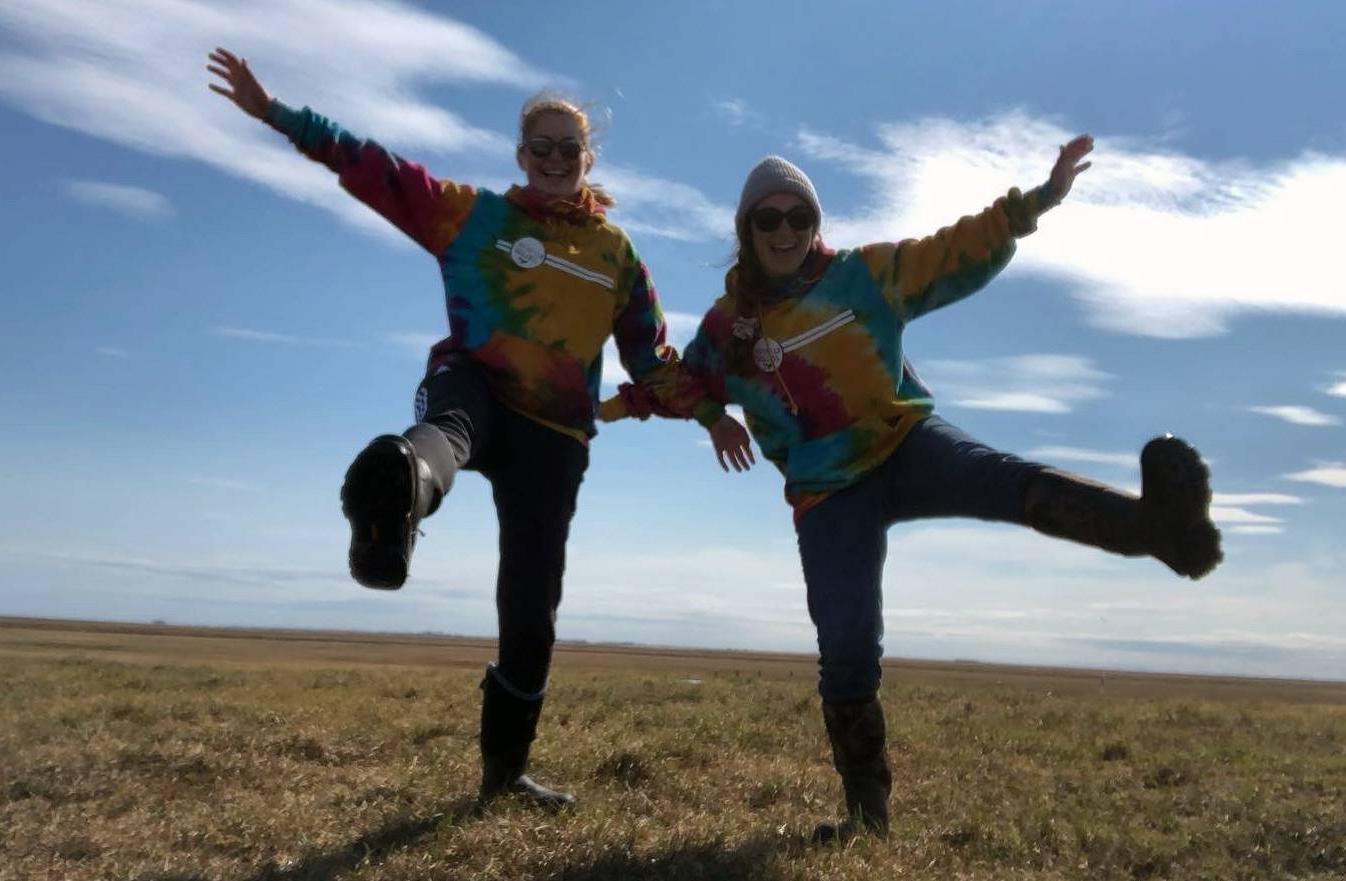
<point x="775" y="175"/>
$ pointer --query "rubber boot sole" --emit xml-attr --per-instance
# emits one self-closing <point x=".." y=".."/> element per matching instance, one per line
<point x="379" y="499"/>
<point x="1176" y="499"/>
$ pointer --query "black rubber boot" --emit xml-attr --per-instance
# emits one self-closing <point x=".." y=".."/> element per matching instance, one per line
<point x="860" y="755"/>
<point x="508" y="726"/>
<point x="387" y="492"/>
<point x="1170" y="521"/>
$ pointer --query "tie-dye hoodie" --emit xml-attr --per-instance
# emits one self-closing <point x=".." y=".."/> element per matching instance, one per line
<point x="533" y="289"/>
<point x="841" y="397"/>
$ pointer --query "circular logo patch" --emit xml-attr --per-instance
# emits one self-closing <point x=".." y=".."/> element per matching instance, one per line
<point x="422" y="403"/>
<point x="528" y="253"/>
<point x="767" y="354"/>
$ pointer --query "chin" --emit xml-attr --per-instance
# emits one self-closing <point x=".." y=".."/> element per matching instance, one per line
<point x="563" y="188"/>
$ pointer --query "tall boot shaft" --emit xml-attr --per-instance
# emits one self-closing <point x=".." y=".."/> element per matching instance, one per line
<point x="859" y="742"/>
<point x="1170" y="521"/>
<point x="508" y="727"/>
<point x="1065" y="505"/>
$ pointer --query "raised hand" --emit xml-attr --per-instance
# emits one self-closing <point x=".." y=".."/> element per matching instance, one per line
<point x="1068" y="164"/>
<point x="243" y="90"/>
<point x="730" y="439"/>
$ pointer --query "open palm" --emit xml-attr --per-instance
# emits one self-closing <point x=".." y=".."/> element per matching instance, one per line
<point x="243" y="88"/>
<point x="1068" y="164"/>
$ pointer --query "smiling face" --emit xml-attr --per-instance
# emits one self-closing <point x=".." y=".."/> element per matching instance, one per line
<point x="554" y="174"/>
<point x="780" y="252"/>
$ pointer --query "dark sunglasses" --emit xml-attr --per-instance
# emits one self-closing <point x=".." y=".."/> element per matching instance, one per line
<point x="800" y="218"/>
<point x="542" y="146"/>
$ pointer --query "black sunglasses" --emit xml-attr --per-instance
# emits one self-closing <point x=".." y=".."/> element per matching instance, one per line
<point x="542" y="146"/>
<point x="800" y="218"/>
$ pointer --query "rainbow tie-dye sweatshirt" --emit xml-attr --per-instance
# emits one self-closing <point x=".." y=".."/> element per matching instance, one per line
<point x="820" y="375"/>
<point x="532" y="295"/>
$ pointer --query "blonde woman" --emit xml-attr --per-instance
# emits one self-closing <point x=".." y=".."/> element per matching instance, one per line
<point x="536" y="280"/>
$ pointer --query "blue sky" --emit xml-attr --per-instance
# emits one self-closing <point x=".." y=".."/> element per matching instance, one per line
<point x="200" y="328"/>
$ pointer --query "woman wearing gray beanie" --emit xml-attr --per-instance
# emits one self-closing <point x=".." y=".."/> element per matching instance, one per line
<point x="809" y="342"/>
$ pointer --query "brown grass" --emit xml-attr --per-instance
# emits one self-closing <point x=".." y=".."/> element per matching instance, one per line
<point x="160" y="753"/>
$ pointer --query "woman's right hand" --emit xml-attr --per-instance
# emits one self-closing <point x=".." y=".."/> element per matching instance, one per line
<point x="244" y="90"/>
<point x="729" y="438"/>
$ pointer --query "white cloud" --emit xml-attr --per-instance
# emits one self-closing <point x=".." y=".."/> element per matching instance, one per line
<point x="1026" y="383"/>
<point x="1144" y="238"/>
<point x="1257" y="499"/>
<point x="1297" y="415"/>
<point x="1234" y="514"/>
<point x="417" y="344"/>
<point x="736" y="112"/>
<point x="284" y="339"/>
<point x="1257" y="530"/>
<point x="656" y="206"/>
<point x="1339" y="389"/>
<point x="1328" y="474"/>
<point x="1078" y="454"/>
<point x="133" y="72"/>
<point x="135" y="202"/>
<point x="224" y="483"/>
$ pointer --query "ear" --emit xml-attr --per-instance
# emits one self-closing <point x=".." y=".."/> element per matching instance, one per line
<point x="518" y="159"/>
<point x="588" y="160"/>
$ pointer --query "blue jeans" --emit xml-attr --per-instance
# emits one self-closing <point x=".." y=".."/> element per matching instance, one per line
<point x="938" y="471"/>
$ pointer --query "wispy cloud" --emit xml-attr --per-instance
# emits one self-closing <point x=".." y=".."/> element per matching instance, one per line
<point x="1050" y="384"/>
<point x="1230" y="510"/>
<point x="133" y="72"/>
<point x="656" y="206"/>
<point x="134" y="202"/>
<point x="1338" y="389"/>
<point x="112" y="352"/>
<point x="1144" y="238"/>
<point x="1331" y="474"/>
<point x="736" y="112"/>
<point x="283" y="339"/>
<point x="1257" y="499"/>
<point x="225" y="483"/>
<point x="1297" y="415"/>
<point x="1078" y="454"/>
<point x="1233" y="514"/>
<point x="417" y="344"/>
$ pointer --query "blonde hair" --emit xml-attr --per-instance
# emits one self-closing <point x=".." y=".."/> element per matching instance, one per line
<point x="552" y="102"/>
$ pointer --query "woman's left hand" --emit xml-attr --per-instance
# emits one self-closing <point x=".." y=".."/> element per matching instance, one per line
<point x="1068" y="164"/>
<point x="731" y="440"/>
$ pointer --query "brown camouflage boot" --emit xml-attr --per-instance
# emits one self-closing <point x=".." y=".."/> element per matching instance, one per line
<point x="860" y="755"/>
<point x="1170" y="521"/>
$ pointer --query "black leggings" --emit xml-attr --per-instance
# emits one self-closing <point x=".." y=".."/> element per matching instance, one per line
<point x="535" y="474"/>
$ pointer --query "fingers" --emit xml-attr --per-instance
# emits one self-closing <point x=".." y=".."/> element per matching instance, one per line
<point x="740" y="457"/>
<point x="1084" y="166"/>
<point x="221" y="90"/>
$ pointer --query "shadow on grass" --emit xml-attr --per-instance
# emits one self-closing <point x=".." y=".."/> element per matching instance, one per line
<point x="756" y="859"/>
<point x="372" y="847"/>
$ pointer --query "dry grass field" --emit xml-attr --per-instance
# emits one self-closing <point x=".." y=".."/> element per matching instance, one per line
<point x="174" y="754"/>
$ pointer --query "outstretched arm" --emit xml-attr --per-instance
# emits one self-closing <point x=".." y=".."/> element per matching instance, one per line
<point x="920" y="275"/>
<point x="430" y="211"/>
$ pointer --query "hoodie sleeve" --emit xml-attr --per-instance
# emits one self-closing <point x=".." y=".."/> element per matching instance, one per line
<point x="920" y="275"/>
<point x="666" y="385"/>
<point x="430" y="211"/>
